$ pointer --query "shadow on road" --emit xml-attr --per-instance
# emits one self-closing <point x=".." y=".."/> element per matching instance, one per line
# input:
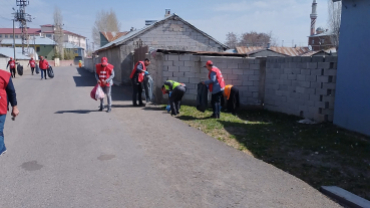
<point x="77" y="111"/>
<point x="191" y="118"/>
<point x="86" y="79"/>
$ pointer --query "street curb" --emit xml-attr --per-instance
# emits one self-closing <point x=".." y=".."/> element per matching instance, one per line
<point x="344" y="197"/>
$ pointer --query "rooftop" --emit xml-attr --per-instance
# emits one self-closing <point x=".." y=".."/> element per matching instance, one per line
<point x="111" y="36"/>
<point x="19" y="31"/>
<point x="288" y="51"/>
<point x="9" y="52"/>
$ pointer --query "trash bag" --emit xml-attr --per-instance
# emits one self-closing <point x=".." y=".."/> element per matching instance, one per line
<point x="148" y="88"/>
<point x="97" y="93"/>
<point x="20" y="69"/>
<point x="202" y="97"/>
<point x="37" y="69"/>
<point x="50" y="72"/>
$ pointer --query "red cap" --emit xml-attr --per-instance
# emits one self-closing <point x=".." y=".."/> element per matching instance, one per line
<point x="104" y="61"/>
<point x="209" y="63"/>
<point x="11" y="58"/>
<point x="41" y="57"/>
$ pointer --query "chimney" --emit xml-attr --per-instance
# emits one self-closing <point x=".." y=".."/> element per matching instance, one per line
<point x="313" y="17"/>
<point x="167" y="12"/>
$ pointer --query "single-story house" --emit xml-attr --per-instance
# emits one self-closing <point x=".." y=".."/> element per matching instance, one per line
<point x="172" y="32"/>
<point x="107" y="37"/>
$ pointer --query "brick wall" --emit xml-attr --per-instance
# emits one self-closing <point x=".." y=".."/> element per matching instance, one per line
<point x="301" y="86"/>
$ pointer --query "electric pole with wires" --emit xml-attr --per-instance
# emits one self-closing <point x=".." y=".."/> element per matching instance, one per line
<point x="22" y="17"/>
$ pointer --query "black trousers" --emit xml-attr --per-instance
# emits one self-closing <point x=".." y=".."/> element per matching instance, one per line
<point x="175" y="99"/>
<point x="137" y="90"/>
<point x="12" y="72"/>
<point x="45" y="73"/>
<point x="216" y="103"/>
<point x="234" y="101"/>
<point x="32" y="69"/>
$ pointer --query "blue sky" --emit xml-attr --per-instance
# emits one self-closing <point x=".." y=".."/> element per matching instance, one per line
<point x="287" y="19"/>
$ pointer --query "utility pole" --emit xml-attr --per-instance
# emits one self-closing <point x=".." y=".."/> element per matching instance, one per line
<point x="22" y="17"/>
<point x="13" y="39"/>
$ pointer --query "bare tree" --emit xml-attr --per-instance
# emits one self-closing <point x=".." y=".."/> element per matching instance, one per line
<point x="232" y="40"/>
<point x="106" y="21"/>
<point x="255" y="39"/>
<point x="58" y="33"/>
<point x="334" y="20"/>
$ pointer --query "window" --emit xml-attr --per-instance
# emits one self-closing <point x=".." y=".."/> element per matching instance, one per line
<point x="38" y="48"/>
<point x="313" y="41"/>
<point x="6" y="36"/>
<point x="16" y="36"/>
<point x="1" y="35"/>
<point x="323" y="41"/>
<point x="48" y="35"/>
<point x="11" y="36"/>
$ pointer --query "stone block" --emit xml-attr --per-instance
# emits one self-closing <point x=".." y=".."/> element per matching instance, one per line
<point x="311" y="78"/>
<point x="296" y="71"/>
<point x="331" y="59"/>
<point x="184" y="69"/>
<point x="329" y="86"/>
<point x="248" y="72"/>
<point x="186" y="57"/>
<point x="190" y="74"/>
<point x="173" y="68"/>
<point x="288" y="71"/>
<point x="194" y="80"/>
<point x="183" y="79"/>
<point x="312" y="65"/>
<point x="324" y="79"/>
<point x="254" y="66"/>
<point x="316" y="72"/>
<point x="301" y="77"/>
<point x="189" y="63"/>
<point x="172" y="57"/>
<point x="300" y="90"/>
<point x="317" y="58"/>
<point x="248" y="83"/>
<point x="323" y="65"/>
<point x="167" y="74"/>
<point x="178" y="74"/>
<point x="168" y="63"/>
<point x="305" y="71"/>
<point x="236" y="82"/>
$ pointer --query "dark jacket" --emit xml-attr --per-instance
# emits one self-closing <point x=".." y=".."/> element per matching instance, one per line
<point x="202" y="97"/>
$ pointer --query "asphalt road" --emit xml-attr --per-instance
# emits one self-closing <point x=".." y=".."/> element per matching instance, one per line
<point x="62" y="152"/>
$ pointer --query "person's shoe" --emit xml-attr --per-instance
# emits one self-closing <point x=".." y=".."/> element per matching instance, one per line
<point x="213" y="116"/>
<point x="109" y="109"/>
<point x="218" y="116"/>
<point x="101" y="108"/>
<point x="3" y="153"/>
<point x="141" y="104"/>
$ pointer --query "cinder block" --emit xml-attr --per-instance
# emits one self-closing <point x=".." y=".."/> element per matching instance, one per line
<point x="248" y="83"/>
<point x="185" y="57"/>
<point x="183" y="79"/>
<point x="316" y="85"/>
<point x="329" y="86"/>
<point x="189" y="63"/>
<point x="311" y="78"/>
<point x="173" y="68"/>
<point x="316" y="72"/>
<point x="292" y="77"/>
<point x="237" y="71"/>
<point x="184" y="69"/>
<point x="168" y="63"/>
<point x="178" y="74"/>
<point x="330" y="72"/>
<point x="323" y="65"/>
<point x="167" y="74"/>
<point x="254" y="66"/>
<point x="305" y="84"/>
<point x="253" y="77"/>
<point x="237" y="82"/>
<point x="317" y="58"/>
<point x="248" y="72"/>
<point x="324" y="79"/>
<point x="312" y="65"/>
<point x="190" y="74"/>
<point x="331" y="59"/>
<point x="305" y="72"/>
<point x="301" y="77"/>
<point x="296" y="71"/>
<point x="300" y="90"/>
<point x="172" y="57"/>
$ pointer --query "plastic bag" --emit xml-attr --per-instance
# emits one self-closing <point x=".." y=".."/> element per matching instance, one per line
<point x="97" y="93"/>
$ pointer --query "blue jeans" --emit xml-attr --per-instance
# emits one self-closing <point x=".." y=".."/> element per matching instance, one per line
<point x="42" y="73"/>
<point x="2" y="144"/>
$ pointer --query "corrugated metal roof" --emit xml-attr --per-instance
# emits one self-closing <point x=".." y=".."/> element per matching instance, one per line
<point x="38" y="41"/>
<point x="135" y="33"/>
<point x="288" y="51"/>
<point x="9" y="52"/>
<point x="327" y="51"/>
<point x="205" y="53"/>
<point x="111" y="36"/>
<point x="70" y="45"/>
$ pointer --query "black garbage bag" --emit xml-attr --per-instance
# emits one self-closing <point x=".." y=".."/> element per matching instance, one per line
<point x="202" y="97"/>
<point x="50" y="72"/>
<point x="20" y="69"/>
<point x="37" y="69"/>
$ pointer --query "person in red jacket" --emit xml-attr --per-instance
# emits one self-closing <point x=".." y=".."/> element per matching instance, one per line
<point x="104" y="75"/>
<point x="12" y="65"/>
<point x="137" y="77"/>
<point x="44" y="65"/>
<point x="32" y="64"/>
<point x="7" y="95"/>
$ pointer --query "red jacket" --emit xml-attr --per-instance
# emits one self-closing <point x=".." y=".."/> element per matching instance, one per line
<point x="43" y="64"/>
<point x="4" y="80"/>
<point x="104" y="73"/>
<point x="11" y="64"/>
<point x="32" y="63"/>
<point x="219" y="78"/>
<point x="141" y="75"/>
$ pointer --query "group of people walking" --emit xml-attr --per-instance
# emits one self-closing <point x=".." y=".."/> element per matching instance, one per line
<point x="176" y="90"/>
<point x="43" y="65"/>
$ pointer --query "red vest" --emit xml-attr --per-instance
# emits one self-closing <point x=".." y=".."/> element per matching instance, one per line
<point x="141" y="75"/>
<point x="12" y="64"/>
<point x="219" y="78"/>
<point x="4" y="80"/>
<point x="104" y="73"/>
<point x="32" y="63"/>
<point x="43" y="64"/>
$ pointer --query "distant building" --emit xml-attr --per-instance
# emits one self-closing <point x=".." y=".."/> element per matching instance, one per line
<point x="319" y="38"/>
<point x="47" y="31"/>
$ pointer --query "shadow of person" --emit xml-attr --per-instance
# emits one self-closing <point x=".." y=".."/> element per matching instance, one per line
<point x="77" y="111"/>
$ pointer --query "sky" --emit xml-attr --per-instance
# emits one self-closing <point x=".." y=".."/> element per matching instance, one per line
<point x="288" y="20"/>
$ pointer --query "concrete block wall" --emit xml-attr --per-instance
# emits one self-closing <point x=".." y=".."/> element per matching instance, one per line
<point x="243" y="73"/>
<point x="177" y="35"/>
<point x="302" y="86"/>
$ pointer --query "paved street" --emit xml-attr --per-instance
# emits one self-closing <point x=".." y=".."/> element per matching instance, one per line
<point x="62" y="152"/>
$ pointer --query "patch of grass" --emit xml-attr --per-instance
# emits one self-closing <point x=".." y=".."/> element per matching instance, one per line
<point x="320" y="154"/>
